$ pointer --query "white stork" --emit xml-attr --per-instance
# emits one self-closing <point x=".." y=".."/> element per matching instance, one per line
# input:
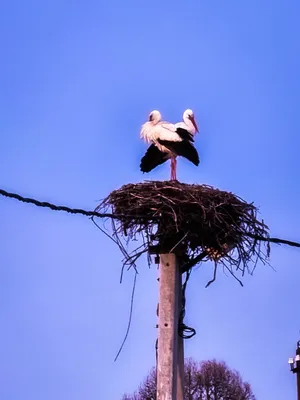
<point x="154" y="119"/>
<point x="169" y="141"/>
<point x="154" y="155"/>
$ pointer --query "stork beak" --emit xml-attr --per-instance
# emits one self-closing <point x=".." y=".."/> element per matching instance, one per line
<point x="194" y="123"/>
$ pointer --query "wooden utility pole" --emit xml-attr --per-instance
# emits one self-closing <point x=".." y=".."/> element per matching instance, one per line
<point x="169" y="373"/>
<point x="298" y="384"/>
<point x="180" y="355"/>
<point x="295" y="367"/>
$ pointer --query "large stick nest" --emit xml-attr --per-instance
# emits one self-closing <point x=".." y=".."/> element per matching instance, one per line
<point x="195" y="221"/>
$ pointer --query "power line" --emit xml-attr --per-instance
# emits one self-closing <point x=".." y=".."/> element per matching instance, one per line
<point x="130" y="317"/>
<point x="88" y="213"/>
<point x="55" y="207"/>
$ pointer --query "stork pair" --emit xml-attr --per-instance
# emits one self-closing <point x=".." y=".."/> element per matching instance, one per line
<point x="168" y="141"/>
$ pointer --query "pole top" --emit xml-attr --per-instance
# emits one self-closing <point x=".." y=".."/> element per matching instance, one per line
<point x="298" y="348"/>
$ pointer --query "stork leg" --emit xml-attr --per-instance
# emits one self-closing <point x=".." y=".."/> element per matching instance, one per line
<point x="173" y="169"/>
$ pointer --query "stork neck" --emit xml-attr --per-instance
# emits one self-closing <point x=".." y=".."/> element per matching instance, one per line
<point x="189" y="125"/>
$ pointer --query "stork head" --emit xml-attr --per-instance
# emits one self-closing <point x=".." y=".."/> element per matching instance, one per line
<point x="188" y="115"/>
<point x="155" y="116"/>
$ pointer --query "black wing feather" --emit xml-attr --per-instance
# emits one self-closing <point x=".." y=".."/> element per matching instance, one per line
<point x="185" y="135"/>
<point x="153" y="158"/>
<point x="184" y="149"/>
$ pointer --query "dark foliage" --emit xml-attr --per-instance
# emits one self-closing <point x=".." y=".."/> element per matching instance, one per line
<point x="209" y="380"/>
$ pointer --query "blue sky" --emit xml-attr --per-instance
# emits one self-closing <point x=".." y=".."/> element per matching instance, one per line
<point x="77" y="81"/>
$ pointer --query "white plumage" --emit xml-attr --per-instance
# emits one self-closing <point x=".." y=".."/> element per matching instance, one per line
<point x="155" y="129"/>
<point x="147" y="127"/>
<point x="188" y="122"/>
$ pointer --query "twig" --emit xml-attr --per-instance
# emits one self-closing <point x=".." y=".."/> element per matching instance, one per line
<point x="239" y="281"/>
<point x="178" y="243"/>
<point x="103" y="231"/>
<point x="274" y="240"/>
<point x="215" y="275"/>
<point x="193" y="261"/>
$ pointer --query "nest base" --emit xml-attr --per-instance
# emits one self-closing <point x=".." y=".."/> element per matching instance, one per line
<point x="189" y="220"/>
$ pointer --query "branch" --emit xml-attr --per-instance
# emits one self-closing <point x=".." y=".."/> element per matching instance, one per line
<point x="274" y="240"/>
<point x="215" y="276"/>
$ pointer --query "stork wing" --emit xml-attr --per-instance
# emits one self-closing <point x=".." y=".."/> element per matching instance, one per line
<point x="185" y="134"/>
<point x="183" y="148"/>
<point x="166" y="131"/>
<point x="175" y="132"/>
<point x="153" y="158"/>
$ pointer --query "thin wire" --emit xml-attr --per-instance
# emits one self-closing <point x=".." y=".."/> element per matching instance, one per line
<point x="130" y="317"/>
<point x="184" y="331"/>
